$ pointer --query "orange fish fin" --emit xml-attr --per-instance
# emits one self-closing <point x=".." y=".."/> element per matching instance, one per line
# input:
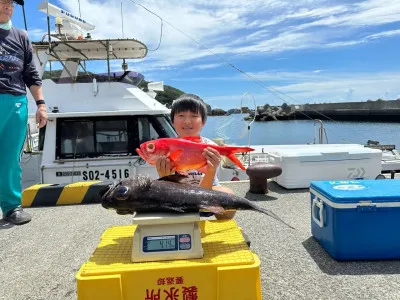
<point x="235" y="160"/>
<point x="215" y="209"/>
<point x="175" y="155"/>
<point x="195" y="139"/>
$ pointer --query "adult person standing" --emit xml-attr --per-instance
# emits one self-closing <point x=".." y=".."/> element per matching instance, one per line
<point x="17" y="70"/>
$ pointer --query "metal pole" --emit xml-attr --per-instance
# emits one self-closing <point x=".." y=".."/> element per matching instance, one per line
<point x="122" y="20"/>
<point x="79" y="2"/>
<point x="23" y="12"/>
<point x="108" y="60"/>
<point x="48" y="26"/>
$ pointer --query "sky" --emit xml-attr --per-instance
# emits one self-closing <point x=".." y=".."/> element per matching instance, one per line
<point x="251" y="52"/>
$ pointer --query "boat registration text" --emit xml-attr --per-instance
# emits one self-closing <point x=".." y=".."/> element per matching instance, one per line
<point x="107" y="174"/>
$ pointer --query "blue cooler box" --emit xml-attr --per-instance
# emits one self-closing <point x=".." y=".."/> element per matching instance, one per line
<point x="357" y="219"/>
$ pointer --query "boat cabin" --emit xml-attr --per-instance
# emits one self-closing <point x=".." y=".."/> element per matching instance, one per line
<point x="95" y="121"/>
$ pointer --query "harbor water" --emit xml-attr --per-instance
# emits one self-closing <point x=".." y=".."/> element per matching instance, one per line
<point x="236" y="131"/>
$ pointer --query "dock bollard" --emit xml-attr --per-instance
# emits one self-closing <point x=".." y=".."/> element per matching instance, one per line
<point x="258" y="175"/>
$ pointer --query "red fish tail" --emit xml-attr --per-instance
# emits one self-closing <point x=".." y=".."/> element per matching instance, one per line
<point x="229" y="151"/>
<point x="233" y="149"/>
<point x="235" y="160"/>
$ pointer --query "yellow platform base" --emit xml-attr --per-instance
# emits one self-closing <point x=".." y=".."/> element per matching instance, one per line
<point x="228" y="270"/>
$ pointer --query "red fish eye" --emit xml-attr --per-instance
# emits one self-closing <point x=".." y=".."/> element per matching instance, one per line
<point x="151" y="147"/>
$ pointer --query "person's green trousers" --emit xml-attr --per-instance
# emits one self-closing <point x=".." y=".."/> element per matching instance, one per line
<point x="13" y="124"/>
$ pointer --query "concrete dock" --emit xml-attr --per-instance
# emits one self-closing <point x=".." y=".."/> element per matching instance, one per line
<point x="39" y="260"/>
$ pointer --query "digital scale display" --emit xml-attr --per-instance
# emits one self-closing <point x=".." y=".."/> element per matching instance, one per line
<point x="167" y="243"/>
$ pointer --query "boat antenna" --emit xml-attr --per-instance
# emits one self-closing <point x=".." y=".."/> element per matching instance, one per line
<point x="122" y="21"/>
<point x="124" y="64"/>
<point x="79" y="3"/>
<point x="48" y="24"/>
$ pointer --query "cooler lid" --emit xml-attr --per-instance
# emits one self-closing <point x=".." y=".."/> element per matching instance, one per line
<point x="354" y="191"/>
<point x="318" y="154"/>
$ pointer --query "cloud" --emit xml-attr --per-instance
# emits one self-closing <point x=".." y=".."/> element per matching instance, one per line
<point x="384" y="34"/>
<point x="194" y="32"/>
<point x="310" y="87"/>
<point x="366" y="13"/>
<point x="207" y="66"/>
<point x="349" y="94"/>
<point x="36" y="34"/>
<point x="225" y="27"/>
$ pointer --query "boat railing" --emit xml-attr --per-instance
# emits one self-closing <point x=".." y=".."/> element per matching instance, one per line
<point x="321" y="132"/>
<point x="31" y="142"/>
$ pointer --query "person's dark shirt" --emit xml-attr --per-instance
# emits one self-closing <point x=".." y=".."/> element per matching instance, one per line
<point x="17" y="68"/>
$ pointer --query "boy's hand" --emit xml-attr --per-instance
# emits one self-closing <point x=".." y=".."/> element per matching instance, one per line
<point x="163" y="165"/>
<point x="213" y="158"/>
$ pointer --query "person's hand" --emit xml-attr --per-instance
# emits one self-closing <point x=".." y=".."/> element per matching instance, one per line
<point x="213" y="158"/>
<point x="41" y="115"/>
<point x="164" y="166"/>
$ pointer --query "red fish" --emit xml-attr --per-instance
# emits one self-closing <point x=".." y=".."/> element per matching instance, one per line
<point x="186" y="153"/>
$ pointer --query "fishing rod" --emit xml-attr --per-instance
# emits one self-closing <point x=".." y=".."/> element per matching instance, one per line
<point x="22" y="4"/>
<point x="271" y="90"/>
<point x="251" y="122"/>
<point x="161" y="19"/>
<point x="254" y="117"/>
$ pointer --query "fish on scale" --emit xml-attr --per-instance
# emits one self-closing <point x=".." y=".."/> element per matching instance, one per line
<point x="171" y="194"/>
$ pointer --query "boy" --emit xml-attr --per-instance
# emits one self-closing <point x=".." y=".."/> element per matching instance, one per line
<point x="188" y="116"/>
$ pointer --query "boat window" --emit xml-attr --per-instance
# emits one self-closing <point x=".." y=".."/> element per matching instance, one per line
<point x="128" y="77"/>
<point x="112" y="136"/>
<point x="92" y="137"/>
<point x="166" y="125"/>
<point x="151" y="128"/>
<point x="146" y="130"/>
<point x="76" y="139"/>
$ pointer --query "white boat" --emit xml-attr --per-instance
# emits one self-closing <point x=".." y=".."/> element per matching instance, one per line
<point x="95" y="122"/>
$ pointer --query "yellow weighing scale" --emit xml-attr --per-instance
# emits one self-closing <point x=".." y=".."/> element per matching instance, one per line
<point x="178" y="257"/>
<point x="166" y="237"/>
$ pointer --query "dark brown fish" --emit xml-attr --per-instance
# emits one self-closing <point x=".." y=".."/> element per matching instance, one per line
<point x="171" y="194"/>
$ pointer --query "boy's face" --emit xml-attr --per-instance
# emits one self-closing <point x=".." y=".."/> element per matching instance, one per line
<point x="188" y="123"/>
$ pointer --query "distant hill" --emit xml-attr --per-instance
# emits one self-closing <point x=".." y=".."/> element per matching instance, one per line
<point x="167" y="96"/>
<point x="54" y="74"/>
